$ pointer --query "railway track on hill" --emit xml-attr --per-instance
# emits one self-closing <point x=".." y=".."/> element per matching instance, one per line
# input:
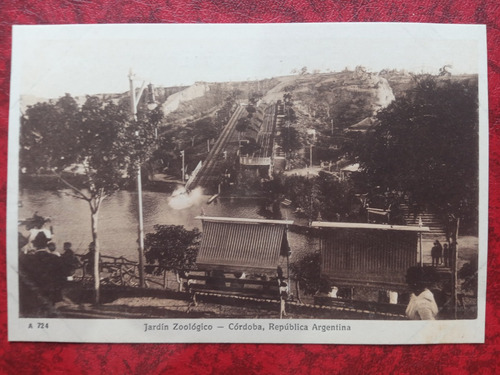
<point x="209" y="173"/>
<point x="266" y="135"/>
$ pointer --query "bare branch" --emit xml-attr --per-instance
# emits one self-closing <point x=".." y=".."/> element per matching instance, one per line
<point x="99" y="197"/>
<point x="78" y="192"/>
<point x="72" y="195"/>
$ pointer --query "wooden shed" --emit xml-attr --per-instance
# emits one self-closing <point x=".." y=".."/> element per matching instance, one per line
<point x="365" y="254"/>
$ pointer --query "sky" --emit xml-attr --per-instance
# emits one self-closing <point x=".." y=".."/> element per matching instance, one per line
<point x="49" y="61"/>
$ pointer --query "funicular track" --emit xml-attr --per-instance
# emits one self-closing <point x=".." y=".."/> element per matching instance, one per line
<point x="265" y="138"/>
<point x="209" y="173"/>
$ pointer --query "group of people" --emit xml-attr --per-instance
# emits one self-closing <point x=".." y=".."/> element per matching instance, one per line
<point x="43" y="269"/>
<point x="442" y="254"/>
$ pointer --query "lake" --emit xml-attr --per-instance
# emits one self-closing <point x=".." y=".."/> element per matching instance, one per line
<point x="118" y="228"/>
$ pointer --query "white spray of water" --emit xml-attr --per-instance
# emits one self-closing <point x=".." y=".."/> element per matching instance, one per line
<point x="181" y="198"/>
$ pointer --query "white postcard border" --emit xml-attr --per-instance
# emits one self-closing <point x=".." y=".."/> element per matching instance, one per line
<point x="133" y="331"/>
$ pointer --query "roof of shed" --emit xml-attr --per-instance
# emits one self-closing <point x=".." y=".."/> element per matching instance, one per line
<point x="236" y="244"/>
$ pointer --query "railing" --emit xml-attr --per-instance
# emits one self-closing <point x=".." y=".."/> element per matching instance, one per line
<point x="120" y="271"/>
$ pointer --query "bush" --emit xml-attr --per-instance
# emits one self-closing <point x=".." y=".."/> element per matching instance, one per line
<point x="306" y="271"/>
<point x="171" y="248"/>
<point x="468" y="273"/>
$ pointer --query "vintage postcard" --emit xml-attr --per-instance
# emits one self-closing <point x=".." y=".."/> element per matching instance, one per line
<point x="271" y="183"/>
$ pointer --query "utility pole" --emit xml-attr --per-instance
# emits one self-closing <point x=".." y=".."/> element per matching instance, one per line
<point x="134" y="102"/>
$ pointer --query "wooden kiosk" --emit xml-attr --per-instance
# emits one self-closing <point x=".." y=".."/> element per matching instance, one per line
<point x="372" y="256"/>
<point x="241" y="256"/>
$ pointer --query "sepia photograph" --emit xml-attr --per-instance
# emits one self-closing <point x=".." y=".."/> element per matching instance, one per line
<point x="281" y="183"/>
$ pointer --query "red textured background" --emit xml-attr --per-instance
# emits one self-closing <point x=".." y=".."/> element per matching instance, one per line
<point x="44" y="358"/>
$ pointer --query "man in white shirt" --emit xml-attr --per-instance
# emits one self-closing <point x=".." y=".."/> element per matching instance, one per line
<point x="422" y="306"/>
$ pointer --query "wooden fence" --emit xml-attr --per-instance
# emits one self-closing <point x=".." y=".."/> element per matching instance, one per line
<point x="120" y="271"/>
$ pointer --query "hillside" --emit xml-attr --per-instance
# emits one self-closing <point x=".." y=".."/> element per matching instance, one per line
<point x="205" y="98"/>
<point x="338" y="99"/>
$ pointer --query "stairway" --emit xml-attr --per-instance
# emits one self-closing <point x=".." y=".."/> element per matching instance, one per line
<point x="429" y="219"/>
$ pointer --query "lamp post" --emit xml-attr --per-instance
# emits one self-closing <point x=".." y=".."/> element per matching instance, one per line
<point x="134" y="102"/>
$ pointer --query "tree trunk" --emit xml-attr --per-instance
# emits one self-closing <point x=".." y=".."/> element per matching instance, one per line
<point x="97" y="274"/>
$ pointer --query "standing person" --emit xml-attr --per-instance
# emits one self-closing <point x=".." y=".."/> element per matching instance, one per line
<point x="70" y="261"/>
<point x="439" y="252"/>
<point x="279" y="272"/>
<point x="446" y="255"/>
<point x="435" y="254"/>
<point x="48" y="276"/>
<point x="283" y="290"/>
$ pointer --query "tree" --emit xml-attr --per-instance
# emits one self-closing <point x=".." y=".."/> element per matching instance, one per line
<point x="443" y="71"/>
<point x="242" y="125"/>
<point x="332" y="197"/>
<point x="299" y="190"/>
<point x="166" y="155"/>
<point x="172" y="248"/>
<point x="224" y="113"/>
<point x="323" y="195"/>
<point x="98" y="142"/>
<point x="306" y="273"/>
<point x="427" y="143"/>
<point x="251" y="110"/>
<point x="202" y="130"/>
<point x="290" y="116"/>
<point x="290" y="139"/>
